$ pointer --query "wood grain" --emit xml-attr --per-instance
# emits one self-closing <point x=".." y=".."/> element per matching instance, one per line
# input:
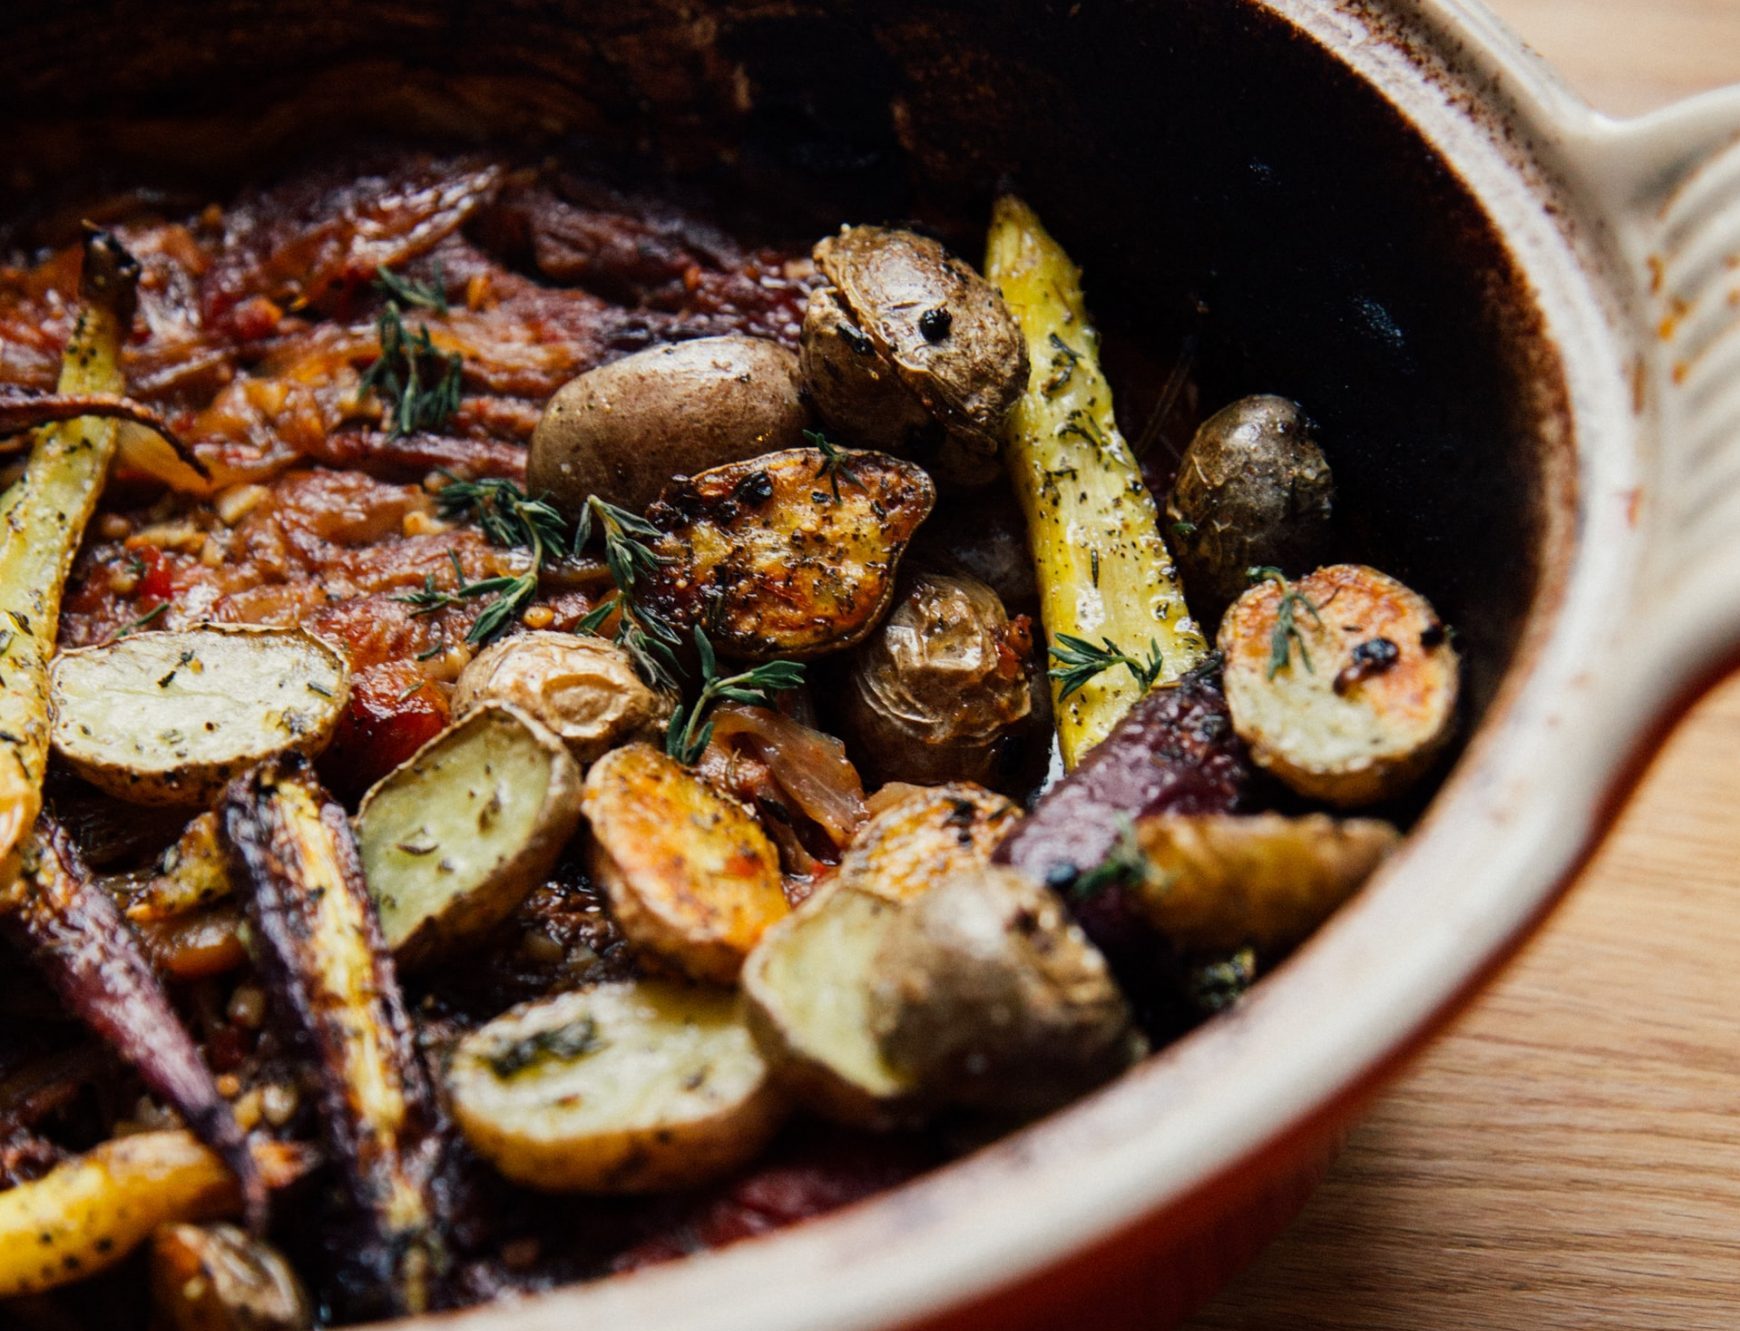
<point x="1567" y="1156"/>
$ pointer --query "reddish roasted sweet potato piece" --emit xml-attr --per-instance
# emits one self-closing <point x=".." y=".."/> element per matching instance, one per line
<point x="76" y="936"/>
<point x="332" y="984"/>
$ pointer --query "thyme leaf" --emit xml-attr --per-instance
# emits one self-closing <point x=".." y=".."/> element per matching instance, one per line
<point x="1078" y="661"/>
<point x="398" y="376"/>
<point x="690" y="730"/>
<point x="1286" y="633"/>
<point x="836" y="466"/>
<point x="430" y="295"/>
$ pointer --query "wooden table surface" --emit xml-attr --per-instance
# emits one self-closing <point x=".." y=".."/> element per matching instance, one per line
<point x="1567" y="1155"/>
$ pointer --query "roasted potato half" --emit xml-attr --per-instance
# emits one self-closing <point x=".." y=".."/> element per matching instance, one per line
<point x="1217" y="882"/>
<point x="985" y="993"/>
<point x="789" y="555"/>
<point x="584" y="690"/>
<point x="806" y="989"/>
<point x="169" y="718"/>
<point x="1253" y="489"/>
<point x="635" y="1086"/>
<point x="455" y="838"/>
<point x="219" y="1278"/>
<point x="1343" y="684"/>
<point x="939" y="686"/>
<point x="622" y="430"/>
<point x="918" y="835"/>
<point x="691" y="877"/>
<point x="907" y="348"/>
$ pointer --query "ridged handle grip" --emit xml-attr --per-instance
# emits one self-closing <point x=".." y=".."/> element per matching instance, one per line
<point x="1673" y="181"/>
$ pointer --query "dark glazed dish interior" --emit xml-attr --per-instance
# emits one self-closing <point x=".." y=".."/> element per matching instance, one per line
<point x="1224" y="186"/>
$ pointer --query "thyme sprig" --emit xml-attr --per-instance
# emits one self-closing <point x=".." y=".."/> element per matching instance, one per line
<point x="691" y="729"/>
<point x="418" y="382"/>
<point x="1286" y="632"/>
<point x="1125" y="864"/>
<point x="1078" y="661"/>
<point x="509" y="518"/>
<point x="430" y="295"/>
<point x="836" y="466"/>
<point x="627" y="553"/>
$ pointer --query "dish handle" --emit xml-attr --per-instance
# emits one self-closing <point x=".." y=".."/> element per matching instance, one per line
<point x="1673" y="185"/>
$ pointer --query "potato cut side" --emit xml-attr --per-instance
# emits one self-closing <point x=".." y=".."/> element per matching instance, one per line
<point x="1220" y="881"/>
<point x="921" y="834"/>
<point x="455" y="838"/>
<point x="635" y="1086"/>
<point x="168" y="718"/>
<point x="789" y="554"/>
<point x="1344" y="683"/>
<point x="689" y="873"/>
<point x="807" y="990"/>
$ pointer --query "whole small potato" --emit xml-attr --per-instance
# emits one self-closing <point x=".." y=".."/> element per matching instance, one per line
<point x="622" y="430"/>
<point x="585" y="690"/>
<point x="908" y="350"/>
<point x="942" y="681"/>
<point x="1253" y="489"/>
<point x="987" y="994"/>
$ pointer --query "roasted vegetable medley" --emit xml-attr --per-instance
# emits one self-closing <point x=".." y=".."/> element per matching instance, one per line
<point x="543" y="730"/>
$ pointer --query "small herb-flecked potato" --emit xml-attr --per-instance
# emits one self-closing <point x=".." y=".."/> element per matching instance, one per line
<point x="633" y="1086"/>
<point x="985" y="993"/>
<point x="454" y="839"/>
<point x="806" y="989"/>
<point x="808" y="982"/>
<point x="1343" y="684"/>
<point x="690" y="876"/>
<point x="219" y="1278"/>
<point x="789" y="555"/>
<point x="918" y="835"/>
<point x="941" y="683"/>
<point x="908" y="349"/>
<point x="583" y="690"/>
<point x="169" y="718"/>
<point x="622" y="430"/>
<point x="1253" y="489"/>
<point x="1221" y="881"/>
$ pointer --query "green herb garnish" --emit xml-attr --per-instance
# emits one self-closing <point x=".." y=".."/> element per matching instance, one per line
<point x="687" y="736"/>
<point x="510" y="518"/>
<point x="1078" y="661"/>
<point x="1125" y="864"/>
<point x="575" y="1040"/>
<point x="1286" y="631"/>
<point x="144" y="620"/>
<point x="431" y="295"/>
<point x="399" y="376"/>
<point x="835" y="464"/>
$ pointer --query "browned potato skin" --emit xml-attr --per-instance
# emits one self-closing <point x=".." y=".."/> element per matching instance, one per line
<point x="987" y="994"/>
<point x="773" y="565"/>
<point x="583" y="690"/>
<point x="910" y="350"/>
<point x="690" y="876"/>
<point x="939" y="685"/>
<point x="1253" y="490"/>
<point x="918" y="835"/>
<point x="217" y="1278"/>
<point x="1328" y="730"/>
<point x="622" y="430"/>
<point x="1221" y="881"/>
